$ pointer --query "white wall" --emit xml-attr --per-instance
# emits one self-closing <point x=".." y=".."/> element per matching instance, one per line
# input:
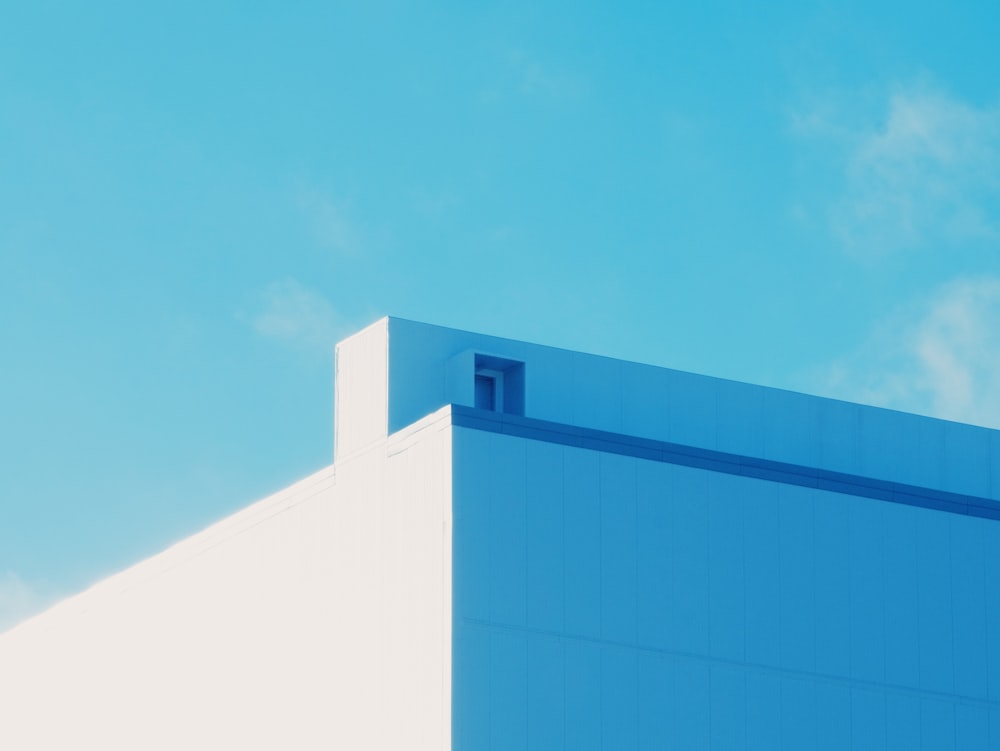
<point x="318" y="618"/>
<point x="361" y="389"/>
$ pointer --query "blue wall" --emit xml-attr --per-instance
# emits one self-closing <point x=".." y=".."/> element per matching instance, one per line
<point x="606" y="601"/>
<point x="712" y="413"/>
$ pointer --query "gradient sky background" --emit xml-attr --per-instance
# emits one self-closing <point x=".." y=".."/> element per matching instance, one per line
<point x="197" y="200"/>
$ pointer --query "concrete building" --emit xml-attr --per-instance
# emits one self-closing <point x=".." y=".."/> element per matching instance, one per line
<point x="524" y="547"/>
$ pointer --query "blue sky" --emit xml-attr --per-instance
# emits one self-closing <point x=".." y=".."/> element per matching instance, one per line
<point x="198" y="199"/>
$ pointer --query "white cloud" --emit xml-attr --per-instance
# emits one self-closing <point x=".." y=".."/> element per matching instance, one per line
<point x="940" y="358"/>
<point x="928" y="172"/>
<point x="296" y="315"/>
<point x="19" y="600"/>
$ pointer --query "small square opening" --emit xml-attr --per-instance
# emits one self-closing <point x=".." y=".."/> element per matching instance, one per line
<point x="486" y="392"/>
<point x="499" y="384"/>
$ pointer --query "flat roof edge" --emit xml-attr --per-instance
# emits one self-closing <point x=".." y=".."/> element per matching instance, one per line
<point x="720" y="461"/>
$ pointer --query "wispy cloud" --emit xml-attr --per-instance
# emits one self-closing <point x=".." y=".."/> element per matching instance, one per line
<point x="940" y="357"/>
<point x="525" y="74"/>
<point x="331" y="223"/>
<point x="435" y="205"/>
<point x="927" y="172"/>
<point x="539" y="78"/>
<point x="296" y="315"/>
<point x="20" y="600"/>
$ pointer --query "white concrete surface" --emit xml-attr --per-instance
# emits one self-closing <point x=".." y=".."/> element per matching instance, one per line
<point x="317" y="618"/>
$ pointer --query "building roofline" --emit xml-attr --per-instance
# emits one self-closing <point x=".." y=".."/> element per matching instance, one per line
<point x="720" y="461"/>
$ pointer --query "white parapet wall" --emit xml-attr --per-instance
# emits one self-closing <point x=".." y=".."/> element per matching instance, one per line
<point x="362" y="390"/>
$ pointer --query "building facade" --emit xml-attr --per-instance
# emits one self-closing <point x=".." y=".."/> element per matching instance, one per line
<point x="520" y="547"/>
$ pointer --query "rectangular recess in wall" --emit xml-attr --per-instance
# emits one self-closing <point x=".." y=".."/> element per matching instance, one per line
<point x="499" y="385"/>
